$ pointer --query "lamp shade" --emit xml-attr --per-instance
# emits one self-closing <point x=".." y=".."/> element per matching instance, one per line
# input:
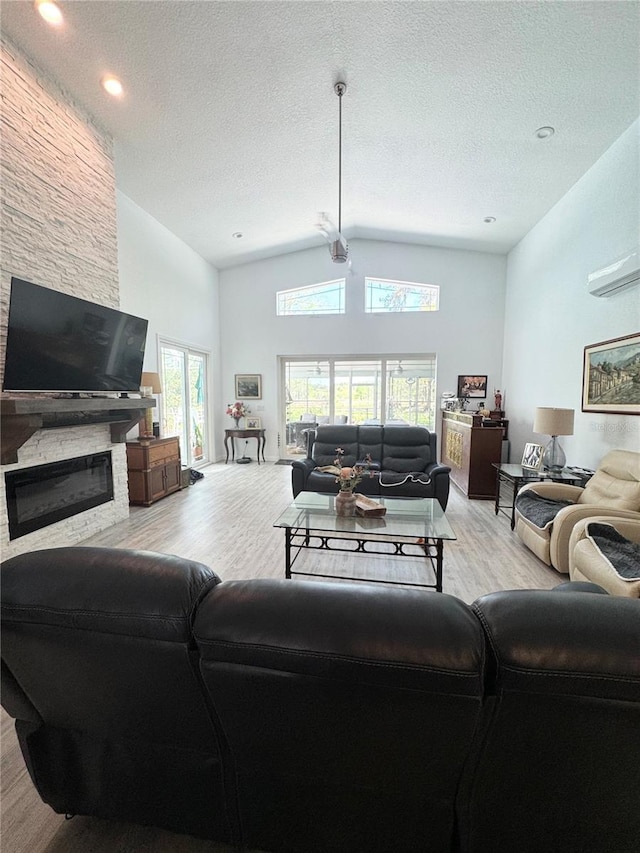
<point x="549" y="421"/>
<point x="152" y="380"/>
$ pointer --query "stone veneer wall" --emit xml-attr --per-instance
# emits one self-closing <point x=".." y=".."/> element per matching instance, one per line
<point x="57" y="192"/>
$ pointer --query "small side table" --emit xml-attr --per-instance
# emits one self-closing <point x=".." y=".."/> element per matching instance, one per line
<point x="258" y="434"/>
<point x="510" y="477"/>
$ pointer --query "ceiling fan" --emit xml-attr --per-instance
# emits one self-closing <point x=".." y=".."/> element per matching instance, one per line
<point x="338" y="246"/>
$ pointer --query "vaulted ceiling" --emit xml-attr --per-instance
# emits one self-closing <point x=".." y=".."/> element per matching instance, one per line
<point x="229" y="122"/>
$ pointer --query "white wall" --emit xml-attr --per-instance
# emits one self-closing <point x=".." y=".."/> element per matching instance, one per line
<point x="466" y="333"/>
<point x="550" y="316"/>
<point x="167" y="283"/>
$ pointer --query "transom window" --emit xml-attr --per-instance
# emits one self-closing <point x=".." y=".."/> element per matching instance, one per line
<point x="324" y="298"/>
<point x="385" y="296"/>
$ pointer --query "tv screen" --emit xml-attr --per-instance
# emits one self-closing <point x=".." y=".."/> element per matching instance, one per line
<point x="57" y="342"/>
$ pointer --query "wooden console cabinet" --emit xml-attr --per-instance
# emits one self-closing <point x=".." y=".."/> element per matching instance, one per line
<point x="469" y="448"/>
<point x="154" y="469"/>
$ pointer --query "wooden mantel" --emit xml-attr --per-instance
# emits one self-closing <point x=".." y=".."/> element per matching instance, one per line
<point x="20" y="418"/>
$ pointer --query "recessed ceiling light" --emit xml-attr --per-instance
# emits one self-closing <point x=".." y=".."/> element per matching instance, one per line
<point x="112" y="85"/>
<point x="237" y="234"/>
<point x="489" y="219"/>
<point x="50" y="12"/>
<point x="545" y="132"/>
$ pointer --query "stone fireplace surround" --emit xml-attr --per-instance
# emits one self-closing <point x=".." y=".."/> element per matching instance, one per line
<point x="59" y="229"/>
<point x="67" y="442"/>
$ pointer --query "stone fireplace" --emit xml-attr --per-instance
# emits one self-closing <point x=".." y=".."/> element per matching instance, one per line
<point x="60" y="231"/>
<point x="52" y="446"/>
<point x="44" y="444"/>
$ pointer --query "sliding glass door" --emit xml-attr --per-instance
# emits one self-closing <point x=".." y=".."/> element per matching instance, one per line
<point x="356" y="390"/>
<point x="184" y="410"/>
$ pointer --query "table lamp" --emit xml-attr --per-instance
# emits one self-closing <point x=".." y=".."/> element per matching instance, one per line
<point x="149" y="384"/>
<point x="553" y="422"/>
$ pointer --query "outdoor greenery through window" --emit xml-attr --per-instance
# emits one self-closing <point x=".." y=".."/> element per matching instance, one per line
<point x="356" y="391"/>
<point x="384" y="296"/>
<point x="324" y="298"/>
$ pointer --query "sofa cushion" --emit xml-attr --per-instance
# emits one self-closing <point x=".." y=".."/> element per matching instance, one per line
<point x="370" y="438"/>
<point x="329" y="437"/>
<point x="616" y="483"/>
<point x="406" y="449"/>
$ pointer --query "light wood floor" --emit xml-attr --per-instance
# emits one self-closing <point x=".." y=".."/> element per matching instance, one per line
<point x="225" y="521"/>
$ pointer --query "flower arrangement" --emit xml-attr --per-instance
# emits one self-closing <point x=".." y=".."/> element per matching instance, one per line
<point x="237" y="410"/>
<point x="348" y="478"/>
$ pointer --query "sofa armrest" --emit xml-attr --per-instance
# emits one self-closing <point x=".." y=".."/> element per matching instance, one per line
<point x="439" y="475"/>
<point x="627" y="527"/>
<point x="567" y="519"/>
<point x="554" y="491"/>
<point x="300" y="470"/>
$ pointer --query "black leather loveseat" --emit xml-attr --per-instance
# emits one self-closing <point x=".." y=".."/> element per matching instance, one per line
<point x="405" y="461"/>
<point x="346" y="718"/>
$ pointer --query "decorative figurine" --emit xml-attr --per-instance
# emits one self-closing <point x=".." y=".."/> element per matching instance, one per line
<point x="497" y="397"/>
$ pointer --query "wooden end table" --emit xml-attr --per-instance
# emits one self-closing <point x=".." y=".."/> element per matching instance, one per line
<point x="258" y="434"/>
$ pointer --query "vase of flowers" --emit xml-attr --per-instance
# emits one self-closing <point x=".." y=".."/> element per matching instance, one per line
<point x="237" y="410"/>
<point x="347" y="479"/>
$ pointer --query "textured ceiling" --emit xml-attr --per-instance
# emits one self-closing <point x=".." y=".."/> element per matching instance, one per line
<point x="230" y="122"/>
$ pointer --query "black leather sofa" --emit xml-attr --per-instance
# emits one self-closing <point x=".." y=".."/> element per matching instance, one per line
<point x="405" y="461"/>
<point x="308" y="716"/>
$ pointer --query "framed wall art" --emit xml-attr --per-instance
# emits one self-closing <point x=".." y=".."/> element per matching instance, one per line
<point x="248" y="386"/>
<point x="611" y="376"/>
<point x="532" y="456"/>
<point x="472" y="386"/>
<point x="253" y="423"/>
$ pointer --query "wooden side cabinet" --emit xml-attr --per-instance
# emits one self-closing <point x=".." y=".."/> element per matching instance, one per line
<point x="469" y="449"/>
<point x="154" y="469"/>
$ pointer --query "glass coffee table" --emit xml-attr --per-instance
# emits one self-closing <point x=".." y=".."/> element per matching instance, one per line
<point x="412" y="527"/>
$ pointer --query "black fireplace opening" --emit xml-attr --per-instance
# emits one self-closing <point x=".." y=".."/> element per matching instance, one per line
<point x="39" y="496"/>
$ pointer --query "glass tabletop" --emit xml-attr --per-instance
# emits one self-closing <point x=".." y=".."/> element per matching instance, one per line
<point x="405" y="517"/>
<point x="513" y="470"/>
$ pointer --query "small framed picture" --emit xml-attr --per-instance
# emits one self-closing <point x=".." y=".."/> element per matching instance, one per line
<point x="248" y="386"/>
<point x="252" y="423"/>
<point x="472" y="386"/>
<point x="532" y="456"/>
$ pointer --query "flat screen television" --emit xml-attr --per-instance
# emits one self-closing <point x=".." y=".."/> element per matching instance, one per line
<point x="62" y="344"/>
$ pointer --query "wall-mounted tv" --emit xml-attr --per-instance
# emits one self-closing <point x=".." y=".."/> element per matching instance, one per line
<point x="62" y="344"/>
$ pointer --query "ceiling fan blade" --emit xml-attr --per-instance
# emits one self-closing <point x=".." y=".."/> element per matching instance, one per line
<point x="327" y="227"/>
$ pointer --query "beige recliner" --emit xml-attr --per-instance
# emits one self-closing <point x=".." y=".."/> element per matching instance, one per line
<point x="588" y="563"/>
<point x="614" y="490"/>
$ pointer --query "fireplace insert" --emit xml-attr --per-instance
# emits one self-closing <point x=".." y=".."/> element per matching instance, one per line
<point x="44" y="494"/>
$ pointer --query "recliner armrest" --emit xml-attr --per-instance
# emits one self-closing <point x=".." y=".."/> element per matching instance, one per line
<point x="435" y="469"/>
<point x="300" y="470"/>
<point x="553" y="491"/>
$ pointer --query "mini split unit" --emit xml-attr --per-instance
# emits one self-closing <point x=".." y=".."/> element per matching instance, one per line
<point x="617" y="276"/>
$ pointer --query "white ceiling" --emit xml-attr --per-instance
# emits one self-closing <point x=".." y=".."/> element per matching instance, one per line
<point x="230" y="121"/>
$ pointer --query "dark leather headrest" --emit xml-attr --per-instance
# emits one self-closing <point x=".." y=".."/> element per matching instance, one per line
<point x="388" y="636"/>
<point x="131" y="592"/>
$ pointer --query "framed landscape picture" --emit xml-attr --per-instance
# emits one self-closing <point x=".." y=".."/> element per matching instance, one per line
<point x="472" y="386"/>
<point x="611" y="376"/>
<point x="532" y="456"/>
<point x="248" y="386"/>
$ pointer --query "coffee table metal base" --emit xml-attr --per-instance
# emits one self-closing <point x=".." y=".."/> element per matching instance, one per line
<point x="299" y="539"/>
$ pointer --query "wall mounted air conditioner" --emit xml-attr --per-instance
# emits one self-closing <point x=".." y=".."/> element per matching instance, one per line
<point x="617" y="276"/>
